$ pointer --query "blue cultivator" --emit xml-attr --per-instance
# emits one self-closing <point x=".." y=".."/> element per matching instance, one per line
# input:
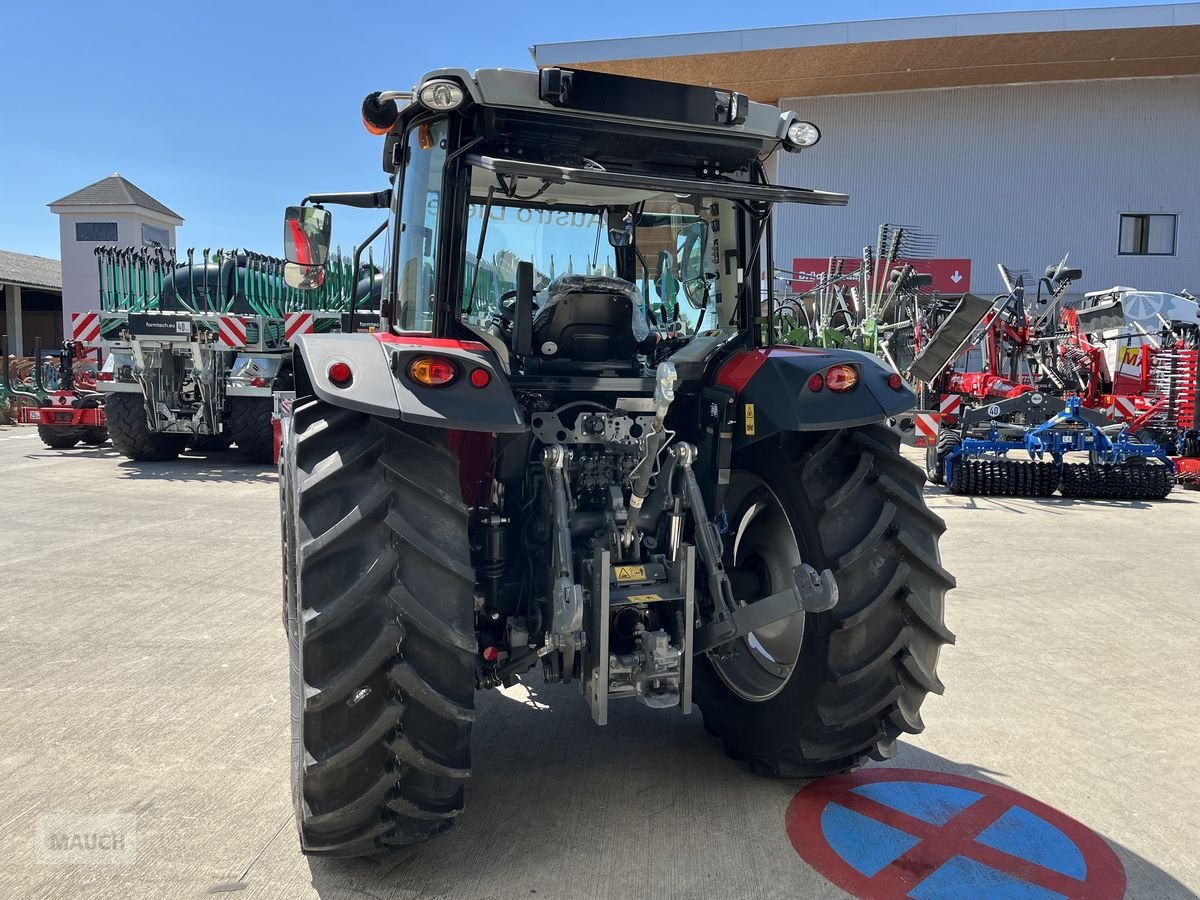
<point x="1119" y="466"/>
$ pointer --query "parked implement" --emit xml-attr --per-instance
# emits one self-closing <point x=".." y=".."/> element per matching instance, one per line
<point x="61" y="398"/>
<point x="608" y="470"/>
<point x="197" y="349"/>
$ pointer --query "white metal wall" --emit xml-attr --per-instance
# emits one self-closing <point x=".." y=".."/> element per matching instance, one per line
<point x="1018" y="174"/>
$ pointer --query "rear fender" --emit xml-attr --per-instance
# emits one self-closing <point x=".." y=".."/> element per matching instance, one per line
<point x="381" y="386"/>
<point x="773" y="394"/>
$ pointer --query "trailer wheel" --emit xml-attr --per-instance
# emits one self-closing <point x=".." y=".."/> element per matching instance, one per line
<point x="59" y="437"/>
<point x="250" y="427"/>
<point x="126" y="415"/>
<point x="935" y="455"/>
<point x="381" y="631"/>
<point x="823" y="692"/>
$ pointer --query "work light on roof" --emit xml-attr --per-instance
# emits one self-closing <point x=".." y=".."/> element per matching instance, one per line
<point x="441" y="95"/>
<point x="803" y="134"/>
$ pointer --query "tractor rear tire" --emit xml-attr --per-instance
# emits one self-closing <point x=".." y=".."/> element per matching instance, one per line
<point x="60" y="437"/>
<point x="862" y="669"/>
<point x="95" y="436"/>
<point x="380" y="620"/>
<point x="126" y="414"/>
<point x="250" y="427"/>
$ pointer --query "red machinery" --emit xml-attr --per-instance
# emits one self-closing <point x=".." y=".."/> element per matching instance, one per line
<point x="71" y="411"/>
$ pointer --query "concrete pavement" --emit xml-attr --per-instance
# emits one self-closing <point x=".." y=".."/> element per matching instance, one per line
<point x="143" y="672"/>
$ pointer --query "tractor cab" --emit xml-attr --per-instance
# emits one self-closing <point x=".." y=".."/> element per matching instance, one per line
<point x="639" y="210"/>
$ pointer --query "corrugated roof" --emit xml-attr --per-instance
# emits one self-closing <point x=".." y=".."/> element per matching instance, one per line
<point x="115" y="190"/>
<point x="30" y="271"/>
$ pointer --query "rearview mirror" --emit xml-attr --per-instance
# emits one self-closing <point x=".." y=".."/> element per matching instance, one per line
<point x="618" y="237"/>
<point x="304" y="278"/>
<point x="306" y="235"/>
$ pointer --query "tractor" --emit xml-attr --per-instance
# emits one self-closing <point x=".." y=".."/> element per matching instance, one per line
<point x="574" y="445"/>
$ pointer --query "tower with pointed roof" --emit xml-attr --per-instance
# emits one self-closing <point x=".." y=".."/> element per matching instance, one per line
<point x="114" y="212"/>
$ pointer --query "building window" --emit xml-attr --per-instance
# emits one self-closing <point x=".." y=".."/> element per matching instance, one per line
<point x="96" y="231"/>
<point x="1143" y="234"/>
<point x="153" y="236"/>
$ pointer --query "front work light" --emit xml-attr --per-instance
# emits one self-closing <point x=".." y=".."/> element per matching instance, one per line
<point x="803" y="134"/>
<point x="441" y="95"/>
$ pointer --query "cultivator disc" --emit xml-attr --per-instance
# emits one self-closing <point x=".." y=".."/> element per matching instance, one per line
<point x="1117" y="481"/>
<point x="1004" y="477"/>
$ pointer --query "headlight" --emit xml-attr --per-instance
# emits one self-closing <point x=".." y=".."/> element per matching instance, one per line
<point x="803" y="134"/>
<point x="441" y="95"/>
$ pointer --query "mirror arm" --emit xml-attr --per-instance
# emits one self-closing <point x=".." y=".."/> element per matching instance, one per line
<point x="361" y="199"/>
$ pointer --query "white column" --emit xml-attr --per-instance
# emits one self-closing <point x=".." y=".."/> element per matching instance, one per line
<point x="13" y="315"/>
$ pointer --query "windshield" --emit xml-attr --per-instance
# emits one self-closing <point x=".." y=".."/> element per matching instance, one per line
<point x="655" y="245"/>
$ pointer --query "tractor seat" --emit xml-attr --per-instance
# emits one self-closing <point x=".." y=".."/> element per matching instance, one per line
<point x="590" y="325"/>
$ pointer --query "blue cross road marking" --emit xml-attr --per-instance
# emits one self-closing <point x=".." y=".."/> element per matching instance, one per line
<point x="884" y="833"/>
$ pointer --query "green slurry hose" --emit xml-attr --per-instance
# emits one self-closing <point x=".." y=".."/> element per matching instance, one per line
<point x="147" y="279"/>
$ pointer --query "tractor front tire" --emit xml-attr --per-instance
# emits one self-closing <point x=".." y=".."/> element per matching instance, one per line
<point x="59" y="437"/>
<point x="380" y="619"/>
<point x="861" y="671"/>
<point x="250" y="427"/>
<point x="126" y="415"/>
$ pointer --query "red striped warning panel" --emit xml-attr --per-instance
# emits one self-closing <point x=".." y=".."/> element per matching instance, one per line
<point x="231" y="332"/>
<point x="1123" y="408"/>
<point x="950" y="404"/>
<point x="296" y="324"/>
<point x="926" y="428"/>
<point x="85" y="327"/>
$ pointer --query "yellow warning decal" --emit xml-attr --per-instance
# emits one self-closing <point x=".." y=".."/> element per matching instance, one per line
<point x="644" y="598"/>
<point x="749" y="418"/>
<point x="631" y="573"/>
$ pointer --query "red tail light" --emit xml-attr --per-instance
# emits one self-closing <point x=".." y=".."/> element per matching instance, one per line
<point x="432" y="371"/>
<point x="341" y="374"/>
<point x="815" y="382"/>
<point x="481" y="378"/>
<point x="104" y="376"/>
<point x="841" y="378"/>
<point x="895" y="382"/>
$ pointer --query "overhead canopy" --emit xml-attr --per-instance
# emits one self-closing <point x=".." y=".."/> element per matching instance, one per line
<point x="769" y="64"/>
<point x="643" y="185"/>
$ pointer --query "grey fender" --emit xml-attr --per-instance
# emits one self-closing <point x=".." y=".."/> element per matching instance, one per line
<point x="774" y="384"/>
<point x="380" y="384"/>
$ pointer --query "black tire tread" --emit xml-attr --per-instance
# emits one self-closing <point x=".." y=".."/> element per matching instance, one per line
<point x="387" y="679"/>
<point x="250" y="427"/>
<point x="60" y="437"/>
<point x="867" y="665"/>
<point x="130" y="435"/>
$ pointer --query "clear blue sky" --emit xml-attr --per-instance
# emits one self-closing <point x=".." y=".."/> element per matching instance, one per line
<point x="228" y="112"/>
